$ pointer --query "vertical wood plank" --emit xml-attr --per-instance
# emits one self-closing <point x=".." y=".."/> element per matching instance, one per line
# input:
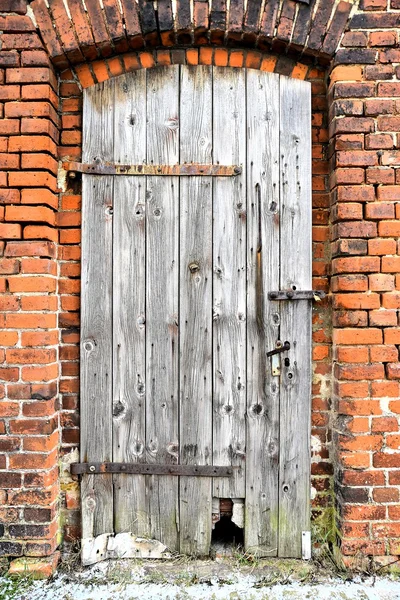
<point x="96" y="320"/>
<point x="129" y="351"/>
<point x="162" y="301"/>
<point x="195" y="322"/>
<point x="262" y="460"/>
<point x="229" y="282"/>
<point x="295" y="166"/>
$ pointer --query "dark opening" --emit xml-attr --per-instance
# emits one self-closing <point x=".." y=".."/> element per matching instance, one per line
<point x="227" y="533"/>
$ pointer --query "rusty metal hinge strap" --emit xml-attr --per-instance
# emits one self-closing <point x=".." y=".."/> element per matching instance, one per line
<point x="189" y="169"/>
<point x="297" y="295"/>
<point x="151" y="469"/>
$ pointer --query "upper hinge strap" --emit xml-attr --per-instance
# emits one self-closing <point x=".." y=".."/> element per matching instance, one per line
<point x="184" y="170"/>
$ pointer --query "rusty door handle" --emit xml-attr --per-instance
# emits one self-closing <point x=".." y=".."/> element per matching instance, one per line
<point x="283" y="348"/>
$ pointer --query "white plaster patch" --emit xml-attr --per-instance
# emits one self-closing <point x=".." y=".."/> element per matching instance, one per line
<point x="238" y="512"/>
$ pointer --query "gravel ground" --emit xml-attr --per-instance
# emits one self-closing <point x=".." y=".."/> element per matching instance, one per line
<point x="198" y="580"/>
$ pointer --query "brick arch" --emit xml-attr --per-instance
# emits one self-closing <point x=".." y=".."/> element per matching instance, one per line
<point x="87" y="74"/>
<point x="284" y="26"/>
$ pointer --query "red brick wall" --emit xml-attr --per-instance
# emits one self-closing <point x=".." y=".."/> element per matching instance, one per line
<point x="355" y="237"/>
<point x="364" y="99"/>
<point x="29" y="338"/>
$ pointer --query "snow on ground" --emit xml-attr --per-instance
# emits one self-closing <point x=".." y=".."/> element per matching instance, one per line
<point x="197" y="581"/>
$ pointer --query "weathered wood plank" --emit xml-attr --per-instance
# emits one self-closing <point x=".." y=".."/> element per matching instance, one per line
<point x="229" y="282"/>
<point x="295" y="166"/>
<point x="162" y="303"/>
<point x="96" y="324"/>
<point x="195" y="320"/>
<point x="129" y="351"/>
<point x="261" y="527"/>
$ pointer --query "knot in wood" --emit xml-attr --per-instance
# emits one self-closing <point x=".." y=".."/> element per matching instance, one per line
<point x="172" y="123"/>
<point x="194" y="267"/>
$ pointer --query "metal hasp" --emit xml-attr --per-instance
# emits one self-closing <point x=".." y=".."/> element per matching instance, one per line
<point x="297" y="295"/>
<point x="150" y="469"/>
<point x="279" y="349"/>
<point x="184" y="170"/>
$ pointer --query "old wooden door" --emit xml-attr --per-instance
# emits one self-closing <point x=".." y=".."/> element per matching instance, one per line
<point x="176" y="317"/>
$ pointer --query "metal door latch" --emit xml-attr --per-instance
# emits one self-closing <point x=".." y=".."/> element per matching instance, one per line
<point x="279" y="349"/>
<point x="316" y="295"/>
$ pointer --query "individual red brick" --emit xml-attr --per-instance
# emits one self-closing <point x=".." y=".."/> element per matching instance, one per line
<point x="31" y="75"/>
<point x="37" y="232"/>
<point x="9" y="373"/>
<point x="383" y="38"/>
<point x="30" y="249"/>
<point x="30" y="321"/>
<point x="39" y="161"/>
<point x="350" y="318"/>
<point x="32" y="144"/>
<point x="28" y="356"/>
<point x="9" y="161"/>
<point x="364" y="513"/>
<point x="355" y="301"/>
<point x="393" y="370"/>
<point x="31" y="109"/>
<point x="10" y="231"/>
<point x="347" y="211"/>
<point x="39" y="213"/>
<point x="374" y="107"/>
<point x="382" y="318"/>
<point x="354" y="229"/>
<point x="31" y="284"/>
<point x="40" y="92"/>
<point x="46" y="373"/>
<point x="352" y="354"/>
<point x="378" y="72"/>
<point x="381" y="247"/>
<point x="391" y="300"/>
<point x="357" y="158"/>
<point x="356" y="193"/>
<point x="389" y="89"/>
<point x="382" y="175"/>
<point x="384" y="353"/>
<point x="389" y="229"/>
<point x="356" y="265"/>
<point x="390" y="264"/>
<point x="39" y="338"/>
<point x="39" y="303"/>
<point x="9" y="127"/>
<point x="388" y="193"/>
<point x="359" y="336"/>
<point x="32" y="58"/>
<point x="380" y="282"/>
<point x="390" y="157"/>
<point x="378" y="140"/>
<point x="360" y="443"/>
<point x="220" y="57"/>
<point x="389" y="55"/>
<point x="349" y="176"/>
<point x="382" y="459"/>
